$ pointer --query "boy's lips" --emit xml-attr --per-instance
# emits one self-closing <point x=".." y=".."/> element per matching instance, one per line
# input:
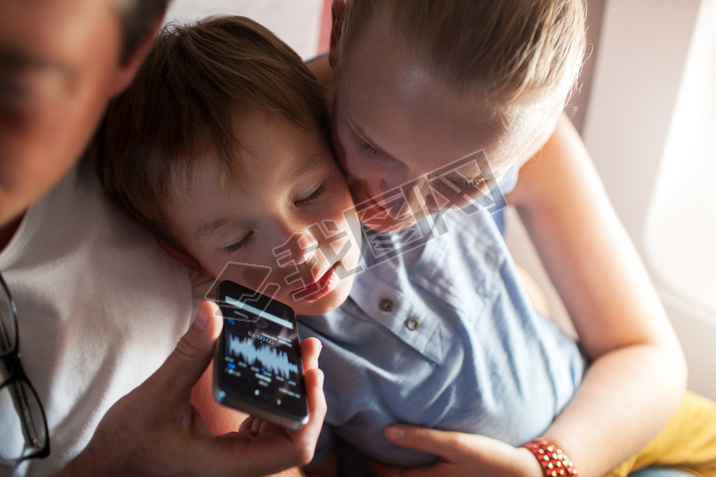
<point x="320" y="288"/>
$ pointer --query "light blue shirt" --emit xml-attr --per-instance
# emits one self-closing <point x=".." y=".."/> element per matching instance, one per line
<point x="440" y="336"/>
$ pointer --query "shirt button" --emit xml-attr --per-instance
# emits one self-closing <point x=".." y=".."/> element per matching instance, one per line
<point x="386" y="304"/>
<point x="412" y="323"/>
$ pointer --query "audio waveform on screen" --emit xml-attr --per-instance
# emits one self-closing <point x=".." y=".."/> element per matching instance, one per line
<point x="268" y="358"/>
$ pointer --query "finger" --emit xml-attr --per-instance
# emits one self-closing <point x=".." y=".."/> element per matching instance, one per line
<point x="443" y="443"/>
<point x="258" y="425"/>
<point x="250" y="454"/>
<point x="279" y="448"/>
<point x="306" y="437"/>
<point x="247" y="424"/>
<point x="273" y="451"/>
<point x="313" y="380"/>
<point x="310" y="350"/>
<point x="183" y="368"/>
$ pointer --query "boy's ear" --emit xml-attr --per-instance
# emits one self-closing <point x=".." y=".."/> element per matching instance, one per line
<point x="180" y="255"/>
<point x="338" y="9"/>
<point x="127" y="70"/>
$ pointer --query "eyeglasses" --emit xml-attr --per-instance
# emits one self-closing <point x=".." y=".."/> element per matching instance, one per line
<point x="23" y="426"/>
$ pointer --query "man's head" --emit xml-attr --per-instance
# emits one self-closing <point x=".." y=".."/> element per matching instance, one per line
<point x="60" y="62"/>
<point x="221" y="146"/>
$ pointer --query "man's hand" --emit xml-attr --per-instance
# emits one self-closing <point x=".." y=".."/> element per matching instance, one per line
<point x="155" y="430"/>
<point x="460" y="454"/>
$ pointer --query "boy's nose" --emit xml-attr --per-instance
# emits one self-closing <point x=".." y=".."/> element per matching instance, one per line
<point x="299" y="248"/>
<point x="306" y="247"/>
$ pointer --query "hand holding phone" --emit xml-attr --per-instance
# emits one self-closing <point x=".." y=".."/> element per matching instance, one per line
<point x="159" y="411"/>
<point x="257" y="365"/>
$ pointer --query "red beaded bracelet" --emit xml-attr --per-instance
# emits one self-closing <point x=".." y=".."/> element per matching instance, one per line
<point x="553" y="461"/>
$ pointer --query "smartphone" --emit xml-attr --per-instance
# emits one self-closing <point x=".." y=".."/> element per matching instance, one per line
<point x="257" y="365"/>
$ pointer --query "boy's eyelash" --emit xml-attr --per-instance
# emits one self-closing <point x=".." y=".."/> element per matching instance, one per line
<point x="231" y="248"/>
<point x="236" y="246"/>
<point x="367" y="147"/>
<point x="315" y="195"/>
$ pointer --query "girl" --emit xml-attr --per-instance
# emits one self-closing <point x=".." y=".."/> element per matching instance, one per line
<point x="418" y="85"/>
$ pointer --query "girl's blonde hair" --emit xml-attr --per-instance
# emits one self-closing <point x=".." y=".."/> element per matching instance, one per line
<point x="511" y="51"/>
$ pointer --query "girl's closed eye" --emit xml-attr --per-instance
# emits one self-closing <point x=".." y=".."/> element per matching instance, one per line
<point x="236" y="246"/>
<point x="473" y="184"/>
<point x="313" y="196"/>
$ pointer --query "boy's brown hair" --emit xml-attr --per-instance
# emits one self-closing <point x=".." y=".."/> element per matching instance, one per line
<point x="193" y="84"/>
<point x="512" y="51"/>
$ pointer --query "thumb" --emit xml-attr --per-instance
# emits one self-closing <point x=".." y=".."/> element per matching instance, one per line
<point x="193" y="353"/>
<point x="441" y="443"/>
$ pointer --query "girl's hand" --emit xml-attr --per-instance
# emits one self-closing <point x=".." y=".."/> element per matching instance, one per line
<point x="460" y="454"/>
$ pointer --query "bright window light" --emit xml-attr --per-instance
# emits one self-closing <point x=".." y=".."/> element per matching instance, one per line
<point x="680" y="229"/>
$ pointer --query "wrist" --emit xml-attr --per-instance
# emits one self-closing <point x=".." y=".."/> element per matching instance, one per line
<point x="552" y="460"/>
<point x="529" y="465"/>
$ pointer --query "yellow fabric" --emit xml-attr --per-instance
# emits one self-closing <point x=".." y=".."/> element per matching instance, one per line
<point x="687" y="443"/>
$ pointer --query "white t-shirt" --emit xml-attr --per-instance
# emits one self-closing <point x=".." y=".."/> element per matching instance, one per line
<point x="100" y="306"/>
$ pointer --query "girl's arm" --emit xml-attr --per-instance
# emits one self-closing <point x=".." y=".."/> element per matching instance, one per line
<point x="638" y="374"/>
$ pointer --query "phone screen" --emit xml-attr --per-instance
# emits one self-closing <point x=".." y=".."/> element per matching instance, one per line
<point x="258" y="357"/>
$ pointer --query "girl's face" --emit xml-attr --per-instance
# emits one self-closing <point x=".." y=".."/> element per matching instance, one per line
<point x="288" y="230"/>
<point x="393" y="123"/>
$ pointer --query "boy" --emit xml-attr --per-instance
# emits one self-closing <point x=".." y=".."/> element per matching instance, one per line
<point x="234" y="162"/>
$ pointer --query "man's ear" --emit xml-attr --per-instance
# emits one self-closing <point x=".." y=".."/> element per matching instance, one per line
<point x="338" y="10"/>
<point x="180" y="255"/>
<point x="127" y="70"/>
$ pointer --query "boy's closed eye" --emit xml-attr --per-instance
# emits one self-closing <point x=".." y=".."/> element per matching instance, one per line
<point x="238" y="245"/>
<point x="313" y="196"/>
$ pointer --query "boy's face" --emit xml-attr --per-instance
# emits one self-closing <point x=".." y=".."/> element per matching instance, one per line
<point x="289" y="227"/>
<point x="394" y="122"/>
<point x="58" y="65"/>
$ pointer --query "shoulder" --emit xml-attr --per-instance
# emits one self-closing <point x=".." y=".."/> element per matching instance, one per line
<point x="75" y="241"/>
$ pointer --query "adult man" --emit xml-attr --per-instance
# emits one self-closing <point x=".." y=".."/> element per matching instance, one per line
<point x="99" y="307"/>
